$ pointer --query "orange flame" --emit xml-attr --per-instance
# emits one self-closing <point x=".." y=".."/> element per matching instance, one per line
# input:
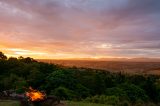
<point x="35" y="95"/>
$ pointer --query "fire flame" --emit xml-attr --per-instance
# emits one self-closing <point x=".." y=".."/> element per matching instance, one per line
<point x="35" y="95"/>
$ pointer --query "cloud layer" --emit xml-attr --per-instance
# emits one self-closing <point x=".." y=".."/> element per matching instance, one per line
<point x="80" y="28"/>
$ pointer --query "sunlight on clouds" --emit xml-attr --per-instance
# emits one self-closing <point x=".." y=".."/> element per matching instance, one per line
<point x="16" y="52"/>
<point x="104" y="46"/>
<point x="29" y="53"/>
<point x="60" y="55"/>
<point x="80" y="28"/>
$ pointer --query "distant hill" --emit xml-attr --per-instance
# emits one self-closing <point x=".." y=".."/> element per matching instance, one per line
<point x="139" y="65"/>
<point x="138" y="59"/>
<point x="132" y="59"/>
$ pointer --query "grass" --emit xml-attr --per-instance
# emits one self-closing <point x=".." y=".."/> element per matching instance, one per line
<point x="68" y="103"/>
<point x="71" y="103"/>
<point x="9" y="103"/>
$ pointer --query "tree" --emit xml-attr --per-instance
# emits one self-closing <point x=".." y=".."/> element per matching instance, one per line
<point x="2" y="56"/>
<point x="62" y="78"/>
<point x="134" y="92"/>
<point x="99" y="83"/>
<point x="20" y="57"/>
<point x="157" y="89"/>
<point x="12" y="59"/>
<point x="64" y="93"/>
<point x="27" y="59"/>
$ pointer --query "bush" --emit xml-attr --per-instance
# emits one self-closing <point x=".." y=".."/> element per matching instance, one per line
<point x="134" y="93"/>
<point x="124" y="103"/>
<point x="61" y="77"/>
<point x="109" y="100"/>
<point x="81" y="91"/>
<point x="116" y="91"/>
<point x="63" y="93"/>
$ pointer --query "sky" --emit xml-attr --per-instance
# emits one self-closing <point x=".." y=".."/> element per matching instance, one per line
<point x="58" y="29"/>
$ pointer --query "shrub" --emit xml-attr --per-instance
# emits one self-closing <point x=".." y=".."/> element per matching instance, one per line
<point x="116" y="91"/>
<point x="63" y="93"/>
<point x="82" y="91"/>
<point x="109" y="100"/>
<point x="124" y="103"/>
<point x="134" y="92"/>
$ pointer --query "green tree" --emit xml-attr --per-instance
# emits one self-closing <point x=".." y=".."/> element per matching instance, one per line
<point x="157" y="89"/>
<point x="116" y="91"/>
<point x="64" y="93"/>
<point x="63" y="78"/>
<point x="134" y="92"/>
<point x="99" y="84"/>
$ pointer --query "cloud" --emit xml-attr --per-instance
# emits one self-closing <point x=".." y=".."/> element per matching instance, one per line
<point x="82" y="27"/>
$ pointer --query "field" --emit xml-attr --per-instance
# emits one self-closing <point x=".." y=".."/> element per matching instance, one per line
<point x="9" y="103"/>
<point x="113" y="66"/>
<point x="68" y="103"/>
<point x="83" y="104"/>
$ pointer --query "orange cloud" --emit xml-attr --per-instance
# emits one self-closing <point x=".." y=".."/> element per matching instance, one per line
<point x="80" y="28"/>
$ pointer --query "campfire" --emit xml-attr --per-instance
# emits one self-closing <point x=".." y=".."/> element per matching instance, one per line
<point x="31" y="97"/>
<point x="35" y="95"/>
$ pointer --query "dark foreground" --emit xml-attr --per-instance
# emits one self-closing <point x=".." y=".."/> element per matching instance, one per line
<point x="17" y="103"/>
<point x="80" y="84"/>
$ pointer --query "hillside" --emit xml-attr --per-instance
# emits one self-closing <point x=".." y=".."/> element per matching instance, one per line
<point x="113" y="66"/>
<point x="79" y="84"/>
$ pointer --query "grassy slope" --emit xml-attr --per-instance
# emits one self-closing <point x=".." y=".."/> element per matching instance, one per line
<point x="9" y="103"/>
<point x="70" y="103"/>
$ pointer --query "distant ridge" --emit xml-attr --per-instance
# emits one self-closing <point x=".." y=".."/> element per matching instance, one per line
<point x="141" y="59"/>
<point x="132" y="59"/>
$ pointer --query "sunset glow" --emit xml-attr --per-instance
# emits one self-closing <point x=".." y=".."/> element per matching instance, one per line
<point x="65" y="29"/>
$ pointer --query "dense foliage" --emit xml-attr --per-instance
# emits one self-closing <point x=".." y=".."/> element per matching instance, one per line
<point x="71" y="83"/>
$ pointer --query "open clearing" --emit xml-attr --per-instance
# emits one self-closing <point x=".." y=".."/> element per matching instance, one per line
<point x="9" y="103"/>
<point x="68" y="103"/>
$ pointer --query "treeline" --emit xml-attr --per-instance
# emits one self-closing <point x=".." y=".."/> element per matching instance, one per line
<point x="71" y="83"/>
